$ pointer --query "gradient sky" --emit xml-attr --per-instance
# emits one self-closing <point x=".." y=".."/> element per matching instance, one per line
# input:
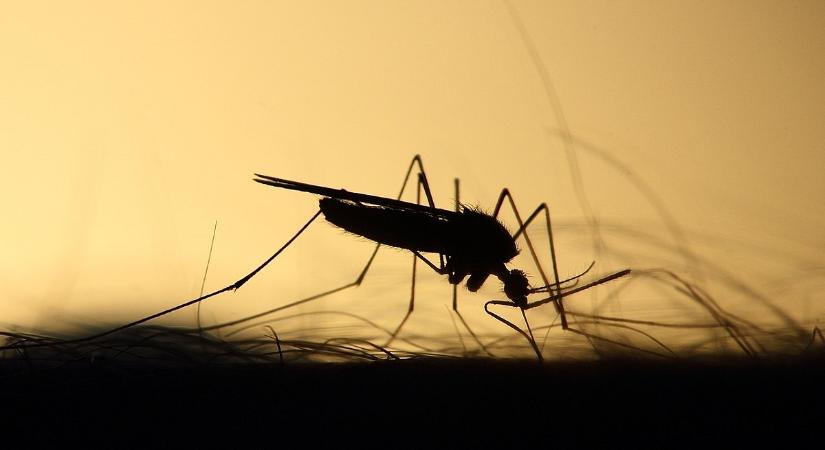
<point x="127" y="129"/>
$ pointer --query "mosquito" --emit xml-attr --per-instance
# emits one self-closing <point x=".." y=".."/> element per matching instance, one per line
<point x="468" y="243"/>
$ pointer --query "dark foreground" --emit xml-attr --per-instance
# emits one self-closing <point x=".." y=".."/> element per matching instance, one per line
<point x="398" y="404"/>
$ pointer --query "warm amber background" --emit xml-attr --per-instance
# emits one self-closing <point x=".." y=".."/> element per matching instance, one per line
<point x="128" y="128"/>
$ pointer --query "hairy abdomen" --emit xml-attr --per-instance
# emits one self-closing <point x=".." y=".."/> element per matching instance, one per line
<point x="412" y="230"/>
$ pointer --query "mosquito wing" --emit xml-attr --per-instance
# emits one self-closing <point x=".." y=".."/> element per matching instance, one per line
<point x="343" y="194"/>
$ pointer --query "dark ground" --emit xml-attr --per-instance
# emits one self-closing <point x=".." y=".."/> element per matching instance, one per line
<point x="509" y="404"/>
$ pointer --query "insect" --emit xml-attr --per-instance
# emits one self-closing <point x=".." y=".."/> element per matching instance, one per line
<point x="469" y="243"/>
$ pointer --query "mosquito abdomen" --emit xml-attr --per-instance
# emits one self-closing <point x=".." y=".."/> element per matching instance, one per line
<point x="408" y="229"/>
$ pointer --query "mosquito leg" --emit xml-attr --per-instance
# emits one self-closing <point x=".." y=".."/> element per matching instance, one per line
<point x="422" y="183"/>
<point x="415" y="161"/>
<point x="242" y="281"/>
<point x="234" y="286"/>
<point x="457" y="206"/>
<point x="455" y="286"/>
<point x="238" y="284"/>
<point x="522" y="230"/>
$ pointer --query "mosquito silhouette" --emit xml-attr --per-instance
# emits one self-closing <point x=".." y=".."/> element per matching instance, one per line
<point x="469" y="243"/>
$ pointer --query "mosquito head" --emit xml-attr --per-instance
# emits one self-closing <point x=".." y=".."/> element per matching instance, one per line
<point x="516" y="286"/>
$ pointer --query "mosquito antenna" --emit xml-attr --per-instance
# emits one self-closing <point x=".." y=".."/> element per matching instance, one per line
<point x="602" y="280"/>
<point x="573" y="278"/>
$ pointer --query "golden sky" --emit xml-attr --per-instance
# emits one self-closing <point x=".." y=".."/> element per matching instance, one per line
<point x="128" y="128"/>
